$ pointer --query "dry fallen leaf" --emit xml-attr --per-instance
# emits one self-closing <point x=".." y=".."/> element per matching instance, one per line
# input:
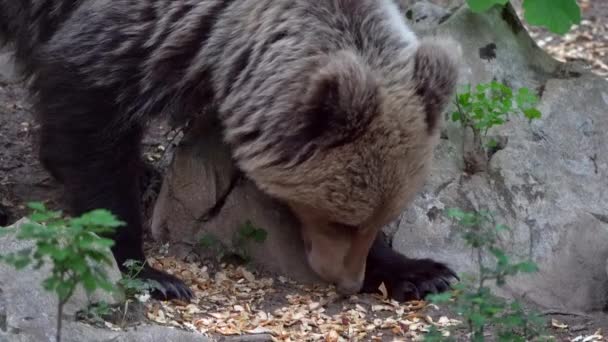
<point x="596" y="337"/>
<point x="233" y="301"/>
<point x="557" y="324"/>
<point x="383" y="290"/>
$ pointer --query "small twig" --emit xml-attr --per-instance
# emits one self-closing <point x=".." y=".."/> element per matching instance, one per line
<point x="59" y="320"/>
<point x="464" y="123"/>
<point x="180" y="131"/>
<point x="564" y="313"/>
<point x="124" y="314"/>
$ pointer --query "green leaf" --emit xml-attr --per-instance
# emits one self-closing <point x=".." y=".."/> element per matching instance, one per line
<point x="104" y="284"/>
<point x="439" y="298"/>
<point x="51" y="283"/>
<point x="32" y="230"/>
<point x="527" y="267"/>
<point x="477" y="319"/>
<point x="89" y="282"/>
<point x="250" y="231"/>
<point x="532" y="113"/>
<point x="79" y="266"/>
<point x="492" y="143"/>
<point x="21" y="262"/>
<point x="556" y="15"/>
<point x="259" y="235"/>
<point x="510" y="337"/>
<point x="90" y="241"/>
<point x="100" y="257"/>
<point x="500" y="256"/>
<point x="64" y="290"/>
<point x="98" y="221"/>
<point x="37" y="206"/>
<point x="209" y="241"/>
<point x="131" y="264"/>
<point x="502" y="228"/>
<point x="455" y="213"/>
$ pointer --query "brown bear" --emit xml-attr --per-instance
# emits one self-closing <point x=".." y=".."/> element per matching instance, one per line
<point x="333" y="107"/>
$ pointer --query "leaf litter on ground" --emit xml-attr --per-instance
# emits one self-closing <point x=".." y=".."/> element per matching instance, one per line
<point x="234" y="301"/>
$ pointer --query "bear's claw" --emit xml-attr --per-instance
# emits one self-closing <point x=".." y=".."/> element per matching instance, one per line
<point x="170" y="287"/>
<point x="404" y="278"/>
<point x="415" y="279"/>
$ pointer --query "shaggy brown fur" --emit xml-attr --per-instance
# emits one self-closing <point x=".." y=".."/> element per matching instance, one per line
<point x="331" y="106"/>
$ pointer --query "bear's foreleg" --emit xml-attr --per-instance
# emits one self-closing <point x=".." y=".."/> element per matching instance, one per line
<point x="99" y="163"/>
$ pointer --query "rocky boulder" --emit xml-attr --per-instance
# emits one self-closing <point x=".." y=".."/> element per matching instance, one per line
<point x="28" y="313"/>
<point x="546" y="183"/>
<point x="7" y="67"/>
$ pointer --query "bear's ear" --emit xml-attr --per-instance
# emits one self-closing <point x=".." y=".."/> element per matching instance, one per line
<point x="341" y="100"/>
<point x="435" y="76"/>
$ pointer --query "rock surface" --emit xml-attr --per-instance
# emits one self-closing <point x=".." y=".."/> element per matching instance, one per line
<point x="28" y="312"/>
<point x="548" y="182"/>
<point x="7" y="67"/>
<point x="198" y="180"/>
<point x="80" y="332"/>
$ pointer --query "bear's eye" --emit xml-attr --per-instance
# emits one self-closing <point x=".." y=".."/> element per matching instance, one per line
<point x="343" y="226"/>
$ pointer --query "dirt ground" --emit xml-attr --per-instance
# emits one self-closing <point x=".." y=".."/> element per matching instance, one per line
<point x="586" y="43"/>
<point x="22" y="178"/>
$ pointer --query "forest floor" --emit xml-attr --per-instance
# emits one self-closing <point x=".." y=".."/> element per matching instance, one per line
<point x="22" y="179"/>
<point x="586" y="43"/>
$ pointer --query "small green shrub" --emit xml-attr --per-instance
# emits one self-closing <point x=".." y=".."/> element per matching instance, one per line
<point x="73" y="248"/>
<point x="212" y="244"/>
<point x="474" y="300"/>
<point x="134" y="287"/>
<point x="489" y="105"/>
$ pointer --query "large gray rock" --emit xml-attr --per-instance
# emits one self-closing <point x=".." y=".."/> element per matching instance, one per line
<point x="548" y="183"/>
<point x="7" y="67"/>
<point x="198" y="180"/>
<point x="28" y="313"/>
<point x="26" y="306"/>
<point x="80" y="332"/>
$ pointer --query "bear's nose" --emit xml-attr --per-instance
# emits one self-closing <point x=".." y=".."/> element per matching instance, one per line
<point x="349" y="287"/>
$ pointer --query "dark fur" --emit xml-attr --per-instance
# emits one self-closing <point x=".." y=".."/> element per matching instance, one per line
<point x="275" y="72"/>
<point x="4" y="216"/>
<point x="405" y="279"/>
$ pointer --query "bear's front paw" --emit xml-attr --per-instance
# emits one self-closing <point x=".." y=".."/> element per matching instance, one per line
<point x="408" y="279"/>
<point x="169" y="287"/>
<point x="415" y="279"/>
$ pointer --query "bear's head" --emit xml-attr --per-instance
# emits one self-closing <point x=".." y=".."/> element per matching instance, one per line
<point x="357" y="152"/>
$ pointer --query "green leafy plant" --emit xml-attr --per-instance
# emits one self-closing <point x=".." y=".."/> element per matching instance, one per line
<point x="473" y="299"/>
<point x="486" y="106"/>
<point x="248" y="232"/>
<point x="214" y="245"/>
<point x="73" y="248"/>
<point x="556" y="15"/>
<point x="135" y="288"/>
